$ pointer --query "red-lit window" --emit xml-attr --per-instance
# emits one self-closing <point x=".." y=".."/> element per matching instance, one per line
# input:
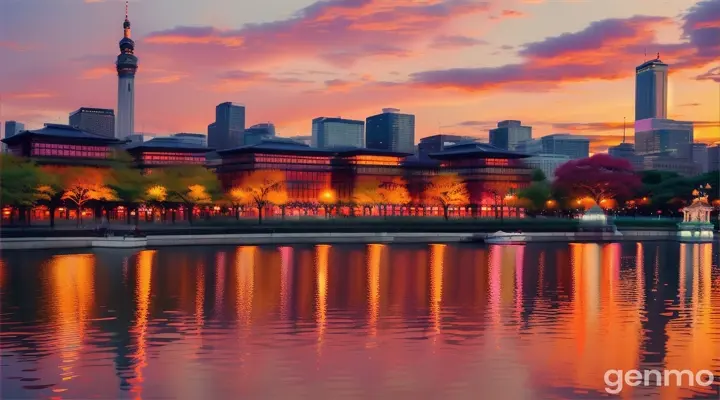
<point x="69" y="150"/>
<point x="498" y="162"/>
<point x="159" y="158"/>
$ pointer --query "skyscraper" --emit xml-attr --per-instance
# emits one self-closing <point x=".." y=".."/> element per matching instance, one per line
<point x="391" y="130"/>
<point x="651" y="89"/>
<point x="438" y="143"/>
<point x="100" y="121"/>
<point x="509" y="133"/>
<point x="655" y="135"/>
<point x="229" y="126"/>
<point x="335" y="132"/>
<point x="700" y="156"/>
<point x="127" y="65"/>
<point x="11" y="128"/>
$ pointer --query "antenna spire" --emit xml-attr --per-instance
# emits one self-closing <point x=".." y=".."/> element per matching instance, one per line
<point x="624" y="129"/>
<point x="126" y="9"/>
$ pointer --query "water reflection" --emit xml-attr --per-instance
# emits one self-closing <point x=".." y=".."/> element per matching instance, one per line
<point x="358" y="321"/>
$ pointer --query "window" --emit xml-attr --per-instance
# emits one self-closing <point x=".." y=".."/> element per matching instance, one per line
<point x="69" y="150"/>
<point x="159" y="158"/>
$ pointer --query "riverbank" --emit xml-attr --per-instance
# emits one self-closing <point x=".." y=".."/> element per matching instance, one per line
<point x="305" y="238"/>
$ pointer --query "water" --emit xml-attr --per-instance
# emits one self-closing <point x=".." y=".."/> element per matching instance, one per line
<point x="356" y="321"/>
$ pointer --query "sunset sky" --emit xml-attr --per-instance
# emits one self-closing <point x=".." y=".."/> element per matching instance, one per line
<point x="458" y="65"/>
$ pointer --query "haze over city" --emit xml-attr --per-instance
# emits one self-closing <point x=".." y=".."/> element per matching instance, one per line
<point x="459" y="66"/>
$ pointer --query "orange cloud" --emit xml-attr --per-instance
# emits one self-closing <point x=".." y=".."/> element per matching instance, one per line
<point x="30" y="96"/>
<point x="97" y="72"/>
<point x="512" y="13"/>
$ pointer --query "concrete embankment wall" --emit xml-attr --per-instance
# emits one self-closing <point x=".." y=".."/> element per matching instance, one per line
<point x="316" y="238"/>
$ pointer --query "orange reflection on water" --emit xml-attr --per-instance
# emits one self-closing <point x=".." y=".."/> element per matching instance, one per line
<point x="374" y="257"/>
<point x="595" y="332"/>
<point x="220" y="261"/>
<point x="692" y="342"/>
<point x="245" y="276"/>
<point x="437" y="258"/>
<point x="286" y="269"/>
<point x="71" y="295"/>
<point x="321" y="278"/>
<point x="142" y="293"/>
<point x="199" y="303"/>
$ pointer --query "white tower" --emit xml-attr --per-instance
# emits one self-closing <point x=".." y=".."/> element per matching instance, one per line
<point x="127" y="65"/>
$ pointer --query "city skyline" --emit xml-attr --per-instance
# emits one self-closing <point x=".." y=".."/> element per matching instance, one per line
<point x="571" y="77"/>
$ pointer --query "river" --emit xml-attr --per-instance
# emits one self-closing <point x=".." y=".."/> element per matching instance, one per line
<point x="358" y="321"/>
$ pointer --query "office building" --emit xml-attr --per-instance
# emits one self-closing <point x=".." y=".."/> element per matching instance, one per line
<point x="438" y="143"/>
<point x="669" y="162"/>
<point x="11" y="128"/>
<point x="509" y="133"/>
<point x="700" y="156"/>
<point x="127" y="65"/>
<point x="651" y="80"/>
<point x="623" y="150"/>
<point x="532" y="146"/>
<point x="196" y="139"/>
<point x="99" y="121"/>
<point x="391" y="131"/>
<point x="566" y="144"/>
<point x="257" y="133"/>
<point x="714" y="157"/>
<point x="229" y="127"/>
<point x="547" y="163"/>
<point x="337" y="132"/>
<point x="655" y="135"/>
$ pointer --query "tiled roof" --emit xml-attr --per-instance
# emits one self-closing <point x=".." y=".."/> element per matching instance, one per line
<point x="476" y="148"/>
<point x="169" y="143"/>
<point x="61" y="132"/>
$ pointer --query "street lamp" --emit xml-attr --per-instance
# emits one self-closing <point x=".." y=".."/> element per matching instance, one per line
<point x="327" y="197"/>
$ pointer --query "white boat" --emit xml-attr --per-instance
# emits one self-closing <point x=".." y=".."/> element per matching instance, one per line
<point x="501" y="237"/>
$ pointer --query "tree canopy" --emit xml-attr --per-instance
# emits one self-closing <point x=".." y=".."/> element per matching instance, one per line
<point x="598" y="177"/>
<point x="19" y="181"/>
<point x="447" y="190"/>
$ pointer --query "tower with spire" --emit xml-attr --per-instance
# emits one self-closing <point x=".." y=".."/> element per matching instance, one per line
<point x="127" y="65"/>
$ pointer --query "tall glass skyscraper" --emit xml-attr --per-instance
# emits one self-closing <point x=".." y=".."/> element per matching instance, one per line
<point x="229" y="126"/>
<point x="391" y="131"/>
<point x="651" y="90"/>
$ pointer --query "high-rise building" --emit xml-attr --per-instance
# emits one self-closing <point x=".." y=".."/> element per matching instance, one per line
<point x="714" y="157"/>
<point x="11" y="128"/>
<point x="438" y="143"/>
<point x="651" y="89"/>
<point x="700" y="156"/>
<point x="100" y="121"/>
<point x="257" y="133"/>
<point x="623" y="150"/>
<point x="195" y="139"/>
<point x="566" y="144"/>
<point x="509" y="133"/>
<point x="337" y="132"/>
<point x="229" y="126"/>
<point x="391" y="130"/>
<point x="654" y="135"/>
<point x="547" y="163"/>
<point x="532" y="146"/>
<point x="127" y="65"/>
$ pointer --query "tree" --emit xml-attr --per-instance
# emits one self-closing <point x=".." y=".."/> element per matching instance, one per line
<point x="85" y="184"/>
<point x="536" y="195"/>
<point x="365" y="194"/>
<point x="188" y="184"/>
<point x="393" y="191"/>
<point x="598" y="177"/>
<point x="264" y="187"/>
<point x="238" y="198"/>
<point x="538" y="175"/>
<point x="447" y="190"/>
<point x="128" y="183"/>
<point x="156" y="194"/>
<point x="19" y="181"/>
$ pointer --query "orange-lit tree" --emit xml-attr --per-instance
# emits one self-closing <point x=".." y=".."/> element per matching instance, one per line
<point x="156" y="195"/>
<point x="128" y="183"/>
<point x="190" y="185"/>
<point x="365" y="195"/>
<point x="83" y="185"/>
<point x="393" y="192"/>
<point x="447" y="190"/>
<point x="265" y="188"/>
<point x="238" y="199"/>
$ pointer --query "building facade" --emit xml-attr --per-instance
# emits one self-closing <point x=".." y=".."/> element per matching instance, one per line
<point x="532" y="146"/>
<point x="62" y="145"/>
<point x="566" y="144"/>
<point x="391" y="131"/>
<point x="100" y="121"/>
<point x="11" y="128"/>
<point x="257" y="133"/>
<point x="509" y="134"/>
<point x="547" y="163"/>
<point x="700" y="156"/>
<point x="714" y="157"/>
<point x="651" y="80"/>
<point x="126" y="65"/>
<point x="669" y="162"/>
<point x="229" y="127"/>
<point x="167" y="151"/>
<point x="655" y="135"/>
<point x="337" y="132"/>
